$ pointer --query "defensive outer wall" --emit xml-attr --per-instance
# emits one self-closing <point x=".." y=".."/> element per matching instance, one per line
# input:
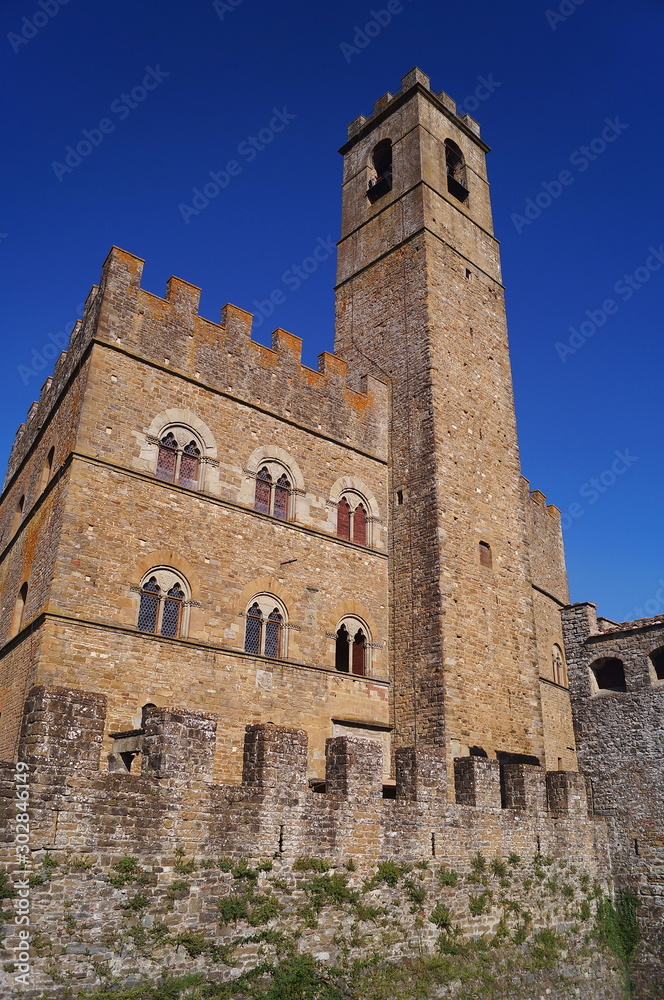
<point x="79" y="810"/>
<point x="621" y="749"/>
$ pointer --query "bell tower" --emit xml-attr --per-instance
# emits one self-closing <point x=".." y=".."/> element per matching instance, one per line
<point x="420" y="300"/>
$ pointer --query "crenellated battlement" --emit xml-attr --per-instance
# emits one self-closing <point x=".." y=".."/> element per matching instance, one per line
<point x="171" y="795"/>
<point x="170" y="334"/>
<point x="411" y="80"/>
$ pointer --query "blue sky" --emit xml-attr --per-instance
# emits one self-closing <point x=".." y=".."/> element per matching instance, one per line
<point x="575" y="89"/>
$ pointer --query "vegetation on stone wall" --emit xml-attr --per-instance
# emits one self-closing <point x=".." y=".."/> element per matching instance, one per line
<point x="619" y="931"/>
<point x="317" y="930"/>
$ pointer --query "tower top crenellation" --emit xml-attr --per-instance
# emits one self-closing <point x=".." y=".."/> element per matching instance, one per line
<point x="411" y="81"/>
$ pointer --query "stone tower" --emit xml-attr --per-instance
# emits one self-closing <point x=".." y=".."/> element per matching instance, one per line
<point x="420" y="300"/>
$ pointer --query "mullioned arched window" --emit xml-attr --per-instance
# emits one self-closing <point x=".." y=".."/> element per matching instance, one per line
<point x="162" y="607"/>
<point x="265" y="633"/>
<point x="558" y="665"/>
<point x="351" y="652"/>
<point x="273" y="491"/>
<point x="179" y="458"/>
<point x="352" y="519"/>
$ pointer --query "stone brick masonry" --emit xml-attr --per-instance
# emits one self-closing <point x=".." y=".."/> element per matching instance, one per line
<point x="454" y="733"/>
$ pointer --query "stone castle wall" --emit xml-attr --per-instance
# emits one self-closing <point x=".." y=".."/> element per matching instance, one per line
<point x="87" y="819"/>
<point x="100" y="519"/>
<point x="550" y="594"/>
<point x="621" y="747"/>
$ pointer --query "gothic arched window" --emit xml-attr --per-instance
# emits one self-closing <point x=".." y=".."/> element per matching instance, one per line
<point x="264" y="630"/>
<point x="273" y="491"/>
<point x="352" y="519"/>
<point x="162" y="603"/>
<point x="455" y="167"/>
<point x="351" y="651"/>
<point x="558" y="663"/>
<point x="179" y="458"/>
<point x="381" y="161"/>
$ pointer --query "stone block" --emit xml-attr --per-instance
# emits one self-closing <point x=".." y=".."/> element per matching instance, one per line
<point x="477" y="782"/>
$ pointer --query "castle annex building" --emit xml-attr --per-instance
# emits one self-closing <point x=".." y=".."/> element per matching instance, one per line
<point x="194" y="523"/>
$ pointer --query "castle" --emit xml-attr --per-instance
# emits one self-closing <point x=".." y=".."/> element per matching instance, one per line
<point x="294" y="595"/>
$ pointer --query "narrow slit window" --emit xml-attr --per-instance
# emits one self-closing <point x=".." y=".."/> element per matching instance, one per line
<point x="18" y="514"/>
<point x="485" y="555"/>
<point x="19" y="609"/>
<point x="47" y="470"/>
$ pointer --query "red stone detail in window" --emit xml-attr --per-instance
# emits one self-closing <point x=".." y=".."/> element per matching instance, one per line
<point x="360" y="525"/>
<point x="343" y="519"/>
<point x="359" y="650"/>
